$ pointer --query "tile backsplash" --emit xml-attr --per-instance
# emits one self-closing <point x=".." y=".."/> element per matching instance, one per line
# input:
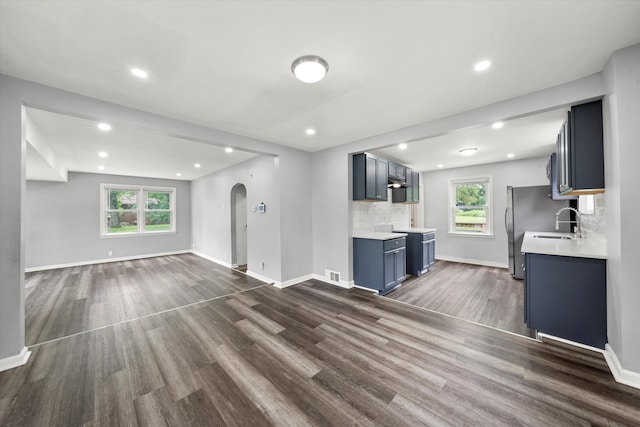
<point x="594" y="225"/>
<point x="377" y="216"/>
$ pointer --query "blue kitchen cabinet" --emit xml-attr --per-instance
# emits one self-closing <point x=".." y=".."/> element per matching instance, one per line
<point x="411" y="192"/>
<point x="421" y="250"/>
<point x="370" y="175"/>
<point x="379" y="264"/>
<point x="566" y="297"/>
<point x="580" y="149"/>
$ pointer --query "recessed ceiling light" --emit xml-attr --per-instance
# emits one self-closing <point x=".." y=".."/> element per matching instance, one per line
<point x="103" y="154"/>
<point x="229" y="150"/>
<point x="310" y="68"/>
<point x="104" y="126"/>
<point x="310" y="131"/>
<point x="468" y="151"/>
<point x="101" y="168"/>
<point x="482" y="65"/>
<point x="196" y="165"/>
<point x="178" y="174"/>
<point x="440" y="165"/>
<point x="497" y="125"/>
<point x="402" y="146"/>
<point x="510" y="155"/>
<point x="142" y="74"/>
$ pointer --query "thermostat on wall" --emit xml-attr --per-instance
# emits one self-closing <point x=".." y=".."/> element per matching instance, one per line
<point x="262" y="208"/>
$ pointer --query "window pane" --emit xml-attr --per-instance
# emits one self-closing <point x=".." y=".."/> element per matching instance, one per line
<point x="158" y="200"/>
<point x="471" y="194"/>
<point x="158" y="221"/>
<point x="122" y="222"/>
<point x="122" y="199"/>
<point x="471" y="219"/>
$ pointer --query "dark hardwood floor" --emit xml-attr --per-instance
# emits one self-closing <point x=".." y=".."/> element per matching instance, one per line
<point x="67" y="301"/>
<point x="310" y="354"/>
<point x="485" y="295"/>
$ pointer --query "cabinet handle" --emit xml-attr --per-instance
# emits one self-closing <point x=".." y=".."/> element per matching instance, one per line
<point x="396" y="252"/>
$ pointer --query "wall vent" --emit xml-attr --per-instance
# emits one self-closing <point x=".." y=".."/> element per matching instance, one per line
<point x="334" y="276"/>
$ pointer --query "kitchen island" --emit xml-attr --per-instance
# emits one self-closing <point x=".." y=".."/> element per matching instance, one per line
<point x="565" y="287"/>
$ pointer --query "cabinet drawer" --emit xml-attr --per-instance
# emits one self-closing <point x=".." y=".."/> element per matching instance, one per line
<point x="428" y="236"/>
<point x="395" y="243"/>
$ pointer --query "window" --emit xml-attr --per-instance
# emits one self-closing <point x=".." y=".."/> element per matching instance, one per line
<point x="470" y="207"/>
<point x="127" y="210"/>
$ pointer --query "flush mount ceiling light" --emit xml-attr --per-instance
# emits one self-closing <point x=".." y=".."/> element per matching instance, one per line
<point x="103" y="154"/>
<point x="229" y="150"/>
<point x="104" y="127"/>
<point x="196" y="165"/>
<point x="482" y="65"/>
<point x="310" y="131"/>
<point x="440" y="165"/>
<point x="101" y="168"/>
<point x="511" y="155"/>
<point x="497" y="125"/>
<point x="142" y="74"/>
<point x="310" y="68"/>
<point x="402" y="146"/>
<point x="178" y="174"/>
<point x="468" y="151"/>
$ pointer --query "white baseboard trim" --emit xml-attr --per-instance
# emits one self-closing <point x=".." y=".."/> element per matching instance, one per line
<point x="621" y="375"/>
<point x="341" y="284"/>
<point x="212" y="259"/>
<point x="472" y="261"/>
<point x="102" y="261"/>
<point x="15" y="361"/>
<point x="261" y="278"/>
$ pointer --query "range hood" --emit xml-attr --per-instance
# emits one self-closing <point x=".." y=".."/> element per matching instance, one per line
<point x="393" y="182"/>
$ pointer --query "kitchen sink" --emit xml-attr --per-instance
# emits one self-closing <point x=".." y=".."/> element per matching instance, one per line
<point x="552" y="236"/>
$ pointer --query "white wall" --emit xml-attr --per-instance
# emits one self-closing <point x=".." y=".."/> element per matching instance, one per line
<point x="622" y="175"/>
<point x="478" y="250"/>
<point x="211" y="214"/>
<point x="62" y="221"/>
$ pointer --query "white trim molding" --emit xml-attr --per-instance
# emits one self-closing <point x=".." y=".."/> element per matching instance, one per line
<point x="102" y="261"/>
<point x="15" y="361"/>
<point x="621" y="375"/>
<point x="472" y="261"/>
<point x="212" y="259"/>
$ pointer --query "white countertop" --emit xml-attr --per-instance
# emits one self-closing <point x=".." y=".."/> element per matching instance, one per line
<point x="378" y="235"/>
<point x="415" y="230"/>
<point x="581" y="248"/>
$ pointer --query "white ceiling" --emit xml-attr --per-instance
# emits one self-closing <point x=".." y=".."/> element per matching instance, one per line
<point x="75" y="144"/>
<point x="226" y="64"/>
<point x="527" y="137"/>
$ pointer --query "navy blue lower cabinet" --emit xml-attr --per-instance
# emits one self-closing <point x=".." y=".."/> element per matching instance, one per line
<point x="421" y="249"/>
<point x="566" y="297"/>
<point x="379" y="264"/>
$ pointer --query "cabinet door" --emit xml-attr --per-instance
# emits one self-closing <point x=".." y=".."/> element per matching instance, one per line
<point x="426" y="247"/>
<point x="389" y="269"/>
<point x="371" y="168"/>
<point x="430" y="254"/>
<point x="381" y="179"/>
<point x="400" y="265"/>
<point x="415" y="187"/>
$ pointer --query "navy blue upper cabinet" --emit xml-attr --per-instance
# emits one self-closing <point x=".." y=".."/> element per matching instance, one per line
<point x="580" y="151"/>
<point x="552" y="174"/>
<point x="369" y="177"/>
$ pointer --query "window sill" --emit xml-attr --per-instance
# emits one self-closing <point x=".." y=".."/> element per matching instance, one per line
<point x="155" y="233"/>
<point x="463" y="234"/>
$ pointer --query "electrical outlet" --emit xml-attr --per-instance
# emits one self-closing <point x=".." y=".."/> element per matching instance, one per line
<point x="261" y="265"/>
<point x="110" y="253"/>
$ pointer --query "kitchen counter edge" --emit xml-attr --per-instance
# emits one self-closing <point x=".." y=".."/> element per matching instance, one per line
<point x="580" y="248"/>
<point x="379" y="236"/>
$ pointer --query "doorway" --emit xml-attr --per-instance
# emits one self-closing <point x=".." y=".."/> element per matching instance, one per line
<point x="239" y="227"/>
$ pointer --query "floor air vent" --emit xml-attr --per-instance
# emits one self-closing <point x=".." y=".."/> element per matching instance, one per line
<point x="334" y="276"/>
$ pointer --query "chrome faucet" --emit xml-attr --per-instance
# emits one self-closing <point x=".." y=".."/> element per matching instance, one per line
<point x="578" y="231"/>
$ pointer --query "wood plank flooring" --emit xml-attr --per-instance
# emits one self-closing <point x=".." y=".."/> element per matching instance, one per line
<point x="310" y="354"/>
<point x="485" y="295"/>
<point x="66" y="301"/>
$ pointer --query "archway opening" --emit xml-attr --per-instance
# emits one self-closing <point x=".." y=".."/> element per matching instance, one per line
<point x="239" y="247"/>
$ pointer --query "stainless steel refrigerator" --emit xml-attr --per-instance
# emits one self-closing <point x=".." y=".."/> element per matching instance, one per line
<point x="530" y="209"/>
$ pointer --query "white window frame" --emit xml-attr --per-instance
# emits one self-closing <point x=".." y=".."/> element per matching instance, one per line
<point x="141" y="210"/>
<point x="486" y="179"/>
